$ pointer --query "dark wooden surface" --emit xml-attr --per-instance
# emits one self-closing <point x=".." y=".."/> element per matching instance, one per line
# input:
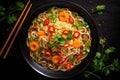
<point x="108" y="27"/>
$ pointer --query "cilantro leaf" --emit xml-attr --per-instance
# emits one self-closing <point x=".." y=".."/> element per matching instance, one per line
<point x="110" y="50"/>
<point x="101" y="61"/>
<point x="98" y="54"/>
<point x="2" y="8"/>
<point x="102" y="42"/>
<point x="19" y="5"/>
<point x="11" y="18"/>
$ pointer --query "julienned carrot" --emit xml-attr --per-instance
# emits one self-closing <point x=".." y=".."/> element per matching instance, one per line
<point x="63" y="16"/>
<point x="33" y="46"/>
<point x="41" y="33"/>
<point x="76" y="43"/>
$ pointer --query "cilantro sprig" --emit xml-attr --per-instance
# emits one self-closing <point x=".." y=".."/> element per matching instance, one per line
<point x="99" y="9"/>
<point x="102" y="63"/>
<point x="10" y="14"/>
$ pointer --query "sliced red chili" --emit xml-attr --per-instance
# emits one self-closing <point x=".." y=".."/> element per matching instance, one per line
<point x="47" y="52"/>
<point x="50" y="37"/>
<point x="68" y="66"/>
<point x="59" y="53"/>
<point x="51" y="28"/>
<point x="76" y="34"/>
<point x="46" y="21"/>
<point x="62" y="60"/>
<point x="66" y="45"/>
<point x="71" y="20"/>
<point x="79" y="56"/>
<point x="65" y="32"/>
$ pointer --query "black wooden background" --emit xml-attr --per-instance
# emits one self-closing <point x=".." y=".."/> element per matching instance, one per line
<point x="15" y="67"/>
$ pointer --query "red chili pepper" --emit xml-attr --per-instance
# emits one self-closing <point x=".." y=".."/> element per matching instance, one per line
<point x="68" y="66"/>
<point x="47" y="52"/>
<point x="65" y="32"/>
<point x="59" y="53"/>
<point x="62" y="60"/>
<point x="50" y="37"/>
<point x="51" y="28"/>
<point x="46" y="21"/>
<point x="71" y="20"/>
<point x="79" y="56"/>
<point x="66" y="45"/>
<point x="76" y="34"/>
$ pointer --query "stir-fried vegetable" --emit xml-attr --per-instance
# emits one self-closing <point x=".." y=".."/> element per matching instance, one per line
<point x="68" y="66"/>
<point x="46" y="22"/>
<point x="53" y="18"/>
<point x="66" y="45"/>
<point x="76" y="34"/>
<point x="47" y="52"/>
<point x="69" y="36"/>
<point x="33" y="46"/>
<point x="76" y="43"/>
<point x="63" y="16"/>
<point x="55" y="59"/>
<point x="71" y="20"/>
<point x="41" y="33"/>
<point x="51" y="28"/>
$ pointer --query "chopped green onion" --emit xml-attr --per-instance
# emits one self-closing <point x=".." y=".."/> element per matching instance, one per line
<point x="63" y="42"/>
<point x="73" y="58"/>
<point x="78" y="24"/>
<point x="69" y="35"/>
<point x="53" y="18"/>
<point x="75" y="14"/>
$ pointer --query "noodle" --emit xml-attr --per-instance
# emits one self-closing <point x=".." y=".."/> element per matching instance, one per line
<point x="60" y="39"/>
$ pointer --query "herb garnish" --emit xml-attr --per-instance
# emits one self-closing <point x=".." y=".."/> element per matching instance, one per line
<point x="102" y="63"/>
<point x="10" y="14"/>
<point x="99" y="9"/>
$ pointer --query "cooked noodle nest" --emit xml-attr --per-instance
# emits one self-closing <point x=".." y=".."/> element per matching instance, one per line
<point x="69" y="39"/>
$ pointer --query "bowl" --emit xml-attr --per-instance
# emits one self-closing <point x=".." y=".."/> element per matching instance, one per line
<point x="41" y="7"/>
